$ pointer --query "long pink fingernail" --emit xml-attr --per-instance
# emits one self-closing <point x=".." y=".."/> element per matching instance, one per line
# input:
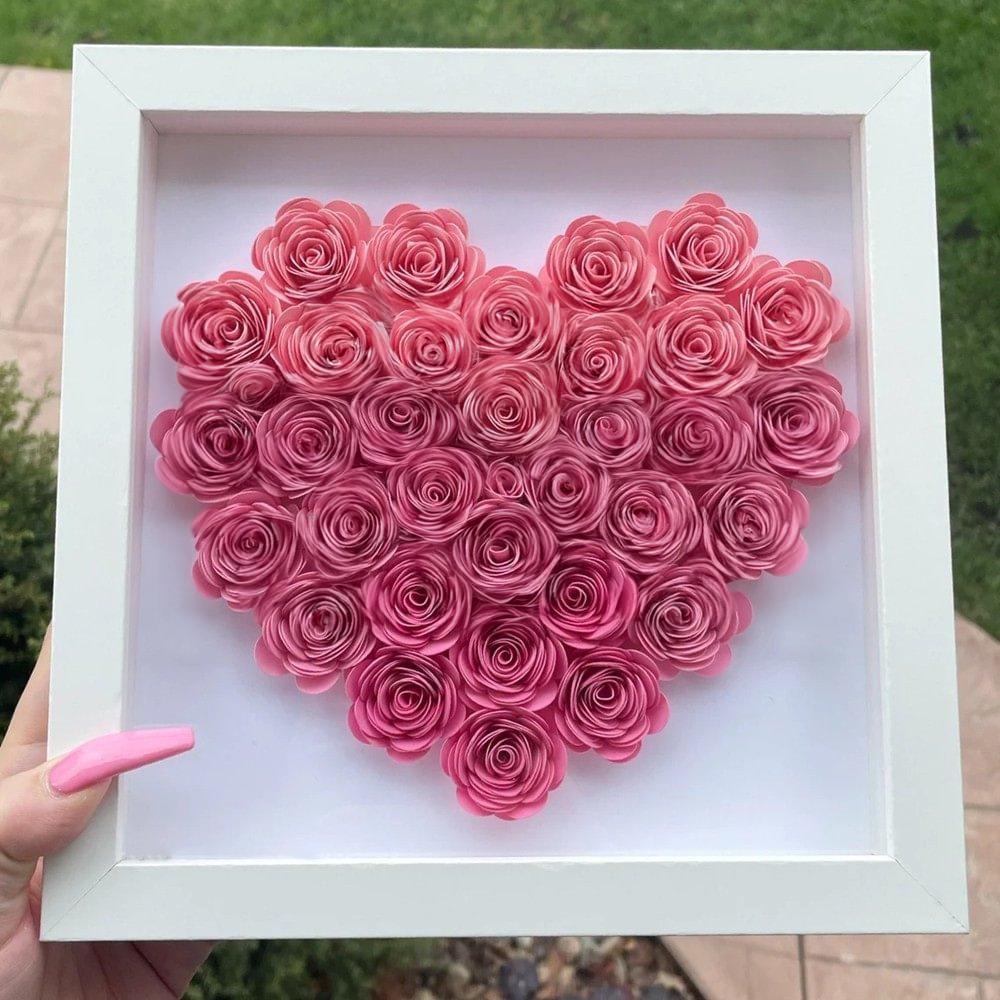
<point x="107" y="756"/>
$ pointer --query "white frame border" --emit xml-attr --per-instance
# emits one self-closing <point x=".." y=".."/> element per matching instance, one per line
<point x="124" y="96"/>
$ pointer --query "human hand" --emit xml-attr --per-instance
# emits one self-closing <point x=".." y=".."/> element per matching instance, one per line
<point x="44" y="805"/>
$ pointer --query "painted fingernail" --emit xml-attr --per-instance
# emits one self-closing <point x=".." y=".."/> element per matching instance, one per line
<point x="116" y="753"/>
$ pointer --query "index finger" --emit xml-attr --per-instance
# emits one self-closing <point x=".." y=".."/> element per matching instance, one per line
<point x="24" y="745"/>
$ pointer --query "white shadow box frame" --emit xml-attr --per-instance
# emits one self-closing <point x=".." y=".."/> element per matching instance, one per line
<point x="813" y="788"/>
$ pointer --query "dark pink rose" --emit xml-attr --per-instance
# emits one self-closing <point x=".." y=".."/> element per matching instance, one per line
<point x="603" y="355"/>
<point x="609" y="700"/>
<point x="589" y="596"/>
<point x="700" y="438"/>
<point x="567" y="488"/>
<point x="434" y="490"/>
<point x="651" y="521"/>
<point x="404" y="701"/>
<point x="702" y="247"/>
<point x="305" y="442"/>
<point x="505" y="550"/>
<point x="508" y="659"/>
<point x="334" y="349"/>
<point x="206" y="445"/>
<point x="509" y="406"/>
<point x="802" y="427"/>
<point x="614" y="433"/>
<point x="418" y="602"/>
<point x="244" y="546"/>
<point x="505" y="478"/>
<point x="504" y="762"/>
<point x="257" y="384"/>
<point x="789" y="313"/>
<point x="697" y="345"/>
<point x="753" y="524"/>
<point x="219" y="326"/>
<point x="313" y="629"/>
<point x="599" y="265"/>
<point x="509" y="312"/>
<point x="313" y="251"/>
<point x="431" y="347"/>
<point x="687" y="617"/>
<point x="348" y="527"/>
<point x="423" y="257"/>
<point x="394" y="418"/>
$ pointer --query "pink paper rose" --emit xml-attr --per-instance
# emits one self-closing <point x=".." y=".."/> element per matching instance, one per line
<point x="505" y="550"/>
<point x="404" y="701"/>
<point x="753" y="524"/>
<point x="348" y="527"/>
<point x="394" y="418"/>
<point x="604" y="355"/>
<point x="651" y="521"/>
<point x="313" y="251"/>
<point x="609" y="700"/>
<point x="509" y="312"/>
<point x="697" y="345"/>
<point x="802" y="427"/>
<point x="312" y="629"/>
<point x="508" y="659"/>
<point x="431" y="347"/>
<point x="599" y="265"/>
<point x="423" y="257"/>
<point x="418" y="602"/>
<point x="219" y="326"/>
<point x="702" y="247"/>
<point x="568" y="490"/>
<point x="304" y="442"/>
<point x="206" y="445"/>
<point x="614" y="433"/>
<point x="698" y="439"/>
<point x="509" y="406"/>
<point x="505" y="478"/>
<point x="244" y="546"/>
<point x="789" y="313"/>
<point x="504" y="763"/>
<point x="589" y="596"/>
<point x="257" y="384"/>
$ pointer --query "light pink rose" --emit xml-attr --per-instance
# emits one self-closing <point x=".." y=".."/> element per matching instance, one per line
<point x="509" y="312"/>
<point x="505" y="550"/>
<point x="335" y="349"/>
<point x="404" y="701"/>
<point x="313" y="629"/>
<point x="589" y="596"/>
<point x="313" y="251"/>
<point x="504" y="763"/>
<point x="614" y="433"/>
<point x="348" y="527"/>
<point x="206" y="445"/>
<point x="423" y="257"/>
<point x="697" y="345"/>
<point x="431" y="347"/>
<point x="507" y="658"/>
<point x="244" y="546"/>
<point x="599" y="265"/>
<point x="393" y="418"/>
<point x="567" y="488"/>
<point x="801" y="426"/>
<point x="418" y="602"/>
<point x="505" y="478"/>
<point x="790" y="315"/>
<point x="604" y="355"/>
<point x="434" y="490"/>
<point x="219" y="326"/>
<point x="609" y="700"/>
<point x="753" y="524"/>
<point x="509" y="407"/>
<point x="651" y="521"/>
<point x="702" y="247"/>
<point x="698" y="439"/>
<point x="687" y="617"/>
<point x="305" y="442"/>
<point x="257" y="384"/>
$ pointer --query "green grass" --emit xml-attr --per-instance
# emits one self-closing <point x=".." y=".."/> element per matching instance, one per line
<point x="963" y="35"/>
